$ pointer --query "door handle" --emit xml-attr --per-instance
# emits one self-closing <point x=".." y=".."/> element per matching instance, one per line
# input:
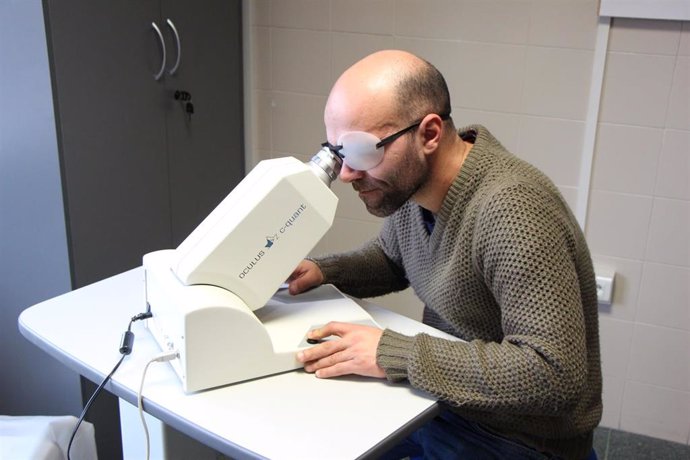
<point x="179" y="47"/>
<point x="157" y="76"/>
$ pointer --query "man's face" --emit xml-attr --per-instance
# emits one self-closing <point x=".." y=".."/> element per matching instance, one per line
<point x="385" y="188"/>
<point x="403" y="169"/>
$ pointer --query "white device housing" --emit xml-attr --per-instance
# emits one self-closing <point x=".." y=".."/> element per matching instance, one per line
<point x="208" y="297"/>
<point x="218" y="338"/>
<point x="258" y="234"/>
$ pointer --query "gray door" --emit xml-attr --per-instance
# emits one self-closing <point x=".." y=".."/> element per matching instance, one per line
<point x="111" y="132"/>
<point x="206" y="148"/>
<point x="138" y="172"/>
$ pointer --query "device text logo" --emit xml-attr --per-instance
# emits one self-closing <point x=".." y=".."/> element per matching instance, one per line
<point x="272" y="239"/>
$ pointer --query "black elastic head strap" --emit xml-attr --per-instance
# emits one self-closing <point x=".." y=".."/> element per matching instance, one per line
<point x="394" y="136"/>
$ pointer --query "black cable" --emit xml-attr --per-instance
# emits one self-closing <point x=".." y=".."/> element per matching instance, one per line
<point x="88" y="404"/>
<point x="125" y="349"/>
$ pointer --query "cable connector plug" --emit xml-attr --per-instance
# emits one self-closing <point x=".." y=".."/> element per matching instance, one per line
<point x="141" y="316"/>
<point x="167" y="356"/>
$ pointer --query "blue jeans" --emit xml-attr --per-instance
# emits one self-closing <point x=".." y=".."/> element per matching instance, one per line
<point x="449" y="436"/>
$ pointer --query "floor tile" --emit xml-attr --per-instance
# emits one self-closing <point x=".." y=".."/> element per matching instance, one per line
<point x="631" y="446"/>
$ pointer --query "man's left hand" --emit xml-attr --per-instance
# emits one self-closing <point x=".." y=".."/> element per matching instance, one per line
<point x="353" y="353"/>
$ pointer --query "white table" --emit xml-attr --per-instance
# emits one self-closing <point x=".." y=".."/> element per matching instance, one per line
<point x="288" y="416"/>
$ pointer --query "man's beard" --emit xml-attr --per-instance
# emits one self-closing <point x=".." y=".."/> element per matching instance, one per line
<point x="383" y="197"/>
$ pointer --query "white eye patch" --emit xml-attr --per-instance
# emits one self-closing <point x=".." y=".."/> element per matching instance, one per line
<point x="359" y="150"/>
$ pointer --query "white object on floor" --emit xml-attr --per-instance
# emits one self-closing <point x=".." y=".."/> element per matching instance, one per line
<point x="41" y="437"/>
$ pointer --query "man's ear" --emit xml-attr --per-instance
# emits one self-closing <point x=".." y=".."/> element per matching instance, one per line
<point x="431" y="129"/>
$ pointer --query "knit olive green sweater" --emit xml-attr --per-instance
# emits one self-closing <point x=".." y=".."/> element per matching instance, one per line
<point x="506" y="269"/>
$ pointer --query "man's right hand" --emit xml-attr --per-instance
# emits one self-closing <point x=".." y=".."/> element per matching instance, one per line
<point x="306" y="276"/>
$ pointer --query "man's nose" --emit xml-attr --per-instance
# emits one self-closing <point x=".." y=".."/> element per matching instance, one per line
<point x="348" y="174"/>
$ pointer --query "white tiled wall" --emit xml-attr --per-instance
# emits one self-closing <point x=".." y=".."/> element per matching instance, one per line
<point x="523" y="69"/>
<point x="639" y="224"/>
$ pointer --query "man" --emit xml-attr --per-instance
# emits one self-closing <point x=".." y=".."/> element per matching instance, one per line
<point x="490" y="247"/>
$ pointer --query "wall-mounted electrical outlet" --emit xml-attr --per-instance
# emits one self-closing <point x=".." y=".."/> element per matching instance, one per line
<point x="605" y="280"/>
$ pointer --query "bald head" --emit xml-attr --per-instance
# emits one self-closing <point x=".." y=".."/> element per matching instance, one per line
<point x="387" y="88"/>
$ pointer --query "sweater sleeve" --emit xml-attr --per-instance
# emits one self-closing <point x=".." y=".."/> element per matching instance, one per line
<point x="525" y="250"/>
<point x="363" y="272"/>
